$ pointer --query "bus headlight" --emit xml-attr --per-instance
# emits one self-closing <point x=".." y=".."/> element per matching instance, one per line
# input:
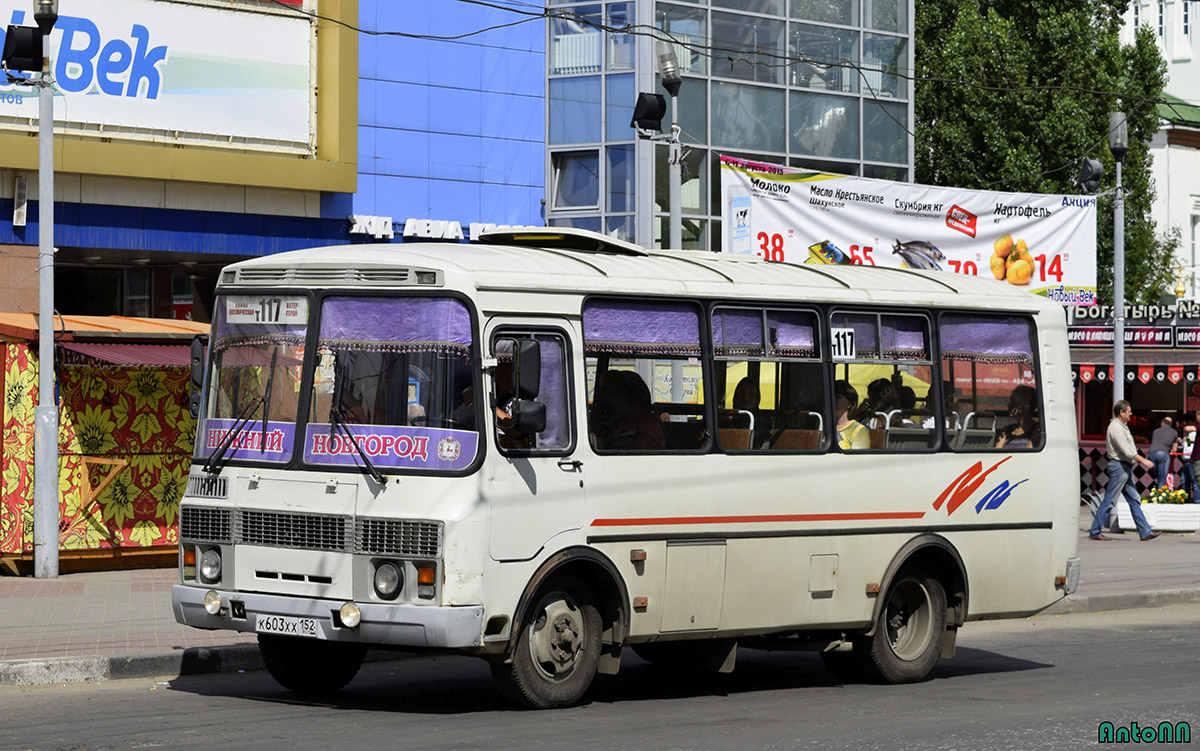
<point x="210" y="566"/>
<point x="350" y="614"/>
<point x="388" y="580"/>
<point x="212" y="602"/>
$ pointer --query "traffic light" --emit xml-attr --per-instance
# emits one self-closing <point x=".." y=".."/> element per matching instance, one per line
<point x="22" y="48"/>
<point x="1090" y="172"/>
<point x="649" y="112"/>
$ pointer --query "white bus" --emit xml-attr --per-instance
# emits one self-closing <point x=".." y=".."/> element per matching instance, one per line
<point x="545" y="446"/>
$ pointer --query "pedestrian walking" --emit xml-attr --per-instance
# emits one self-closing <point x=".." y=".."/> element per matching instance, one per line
<point x="1187" y="471"/>
<point x="1163" y="441"/>
<point x="1122" y="453"/>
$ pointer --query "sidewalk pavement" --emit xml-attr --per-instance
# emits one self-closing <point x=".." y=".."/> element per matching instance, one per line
<point x="118" y="624"/>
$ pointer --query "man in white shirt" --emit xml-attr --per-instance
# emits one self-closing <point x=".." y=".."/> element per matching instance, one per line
<point x="1122" y="453"/>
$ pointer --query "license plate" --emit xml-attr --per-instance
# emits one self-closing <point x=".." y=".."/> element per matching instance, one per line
<point x="286" y="624"/>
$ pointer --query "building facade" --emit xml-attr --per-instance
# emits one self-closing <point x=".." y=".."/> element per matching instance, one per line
<point x="1176" y="147"/>
<point x="192" y="133"/>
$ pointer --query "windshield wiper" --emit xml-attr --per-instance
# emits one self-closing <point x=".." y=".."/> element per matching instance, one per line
<point x="213" y="464"/>
<point x="266" y="399"/>
<point x="337" y="421"/>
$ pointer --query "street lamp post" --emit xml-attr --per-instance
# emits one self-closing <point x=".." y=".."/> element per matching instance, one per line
<point x="45" y="435"/>
<point x="1118" y="143"/>
<point x="668" y="69"/>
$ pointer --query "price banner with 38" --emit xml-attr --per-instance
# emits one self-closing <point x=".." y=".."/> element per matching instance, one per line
<point x="1045" y="244"/>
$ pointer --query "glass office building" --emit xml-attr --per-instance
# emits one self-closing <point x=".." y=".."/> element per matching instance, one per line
<point x="807" y="83"/>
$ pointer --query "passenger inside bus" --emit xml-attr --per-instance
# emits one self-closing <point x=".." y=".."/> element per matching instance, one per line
<point x="746" y="398"/>
<point x="1025" y="431"/>
<point x="621" y="416"/>
<point x="852" y="434"/>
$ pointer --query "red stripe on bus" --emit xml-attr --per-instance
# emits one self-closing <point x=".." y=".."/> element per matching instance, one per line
<point x="757" y="519"/>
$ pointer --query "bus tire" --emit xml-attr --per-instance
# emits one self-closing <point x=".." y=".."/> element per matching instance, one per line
<point x="310" y="666"/>
<point x="558" y="651"/>
<point x="909" y="631"/>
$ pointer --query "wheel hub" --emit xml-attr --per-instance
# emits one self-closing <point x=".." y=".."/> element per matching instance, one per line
<point x="557" y="638"/>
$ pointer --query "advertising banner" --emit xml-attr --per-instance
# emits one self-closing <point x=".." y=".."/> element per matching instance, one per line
<point x="1045" y="244"/>
<point x="229" y="76"/>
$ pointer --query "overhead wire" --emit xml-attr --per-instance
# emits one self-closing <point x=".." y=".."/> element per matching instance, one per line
<point x="759" y="57"/>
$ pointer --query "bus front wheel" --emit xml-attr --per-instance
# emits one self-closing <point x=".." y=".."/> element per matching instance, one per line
<point x="558" y="650"/>
<point x="310" y="666"/>
<point x="910" y="629"/>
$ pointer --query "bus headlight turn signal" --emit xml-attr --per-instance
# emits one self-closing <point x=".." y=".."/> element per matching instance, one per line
<point x="210" y="566"/>
<point x="388" y="580"/>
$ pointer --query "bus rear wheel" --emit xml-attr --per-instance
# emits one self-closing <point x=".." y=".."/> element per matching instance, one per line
<point x="909" y="631"/>
<point x="310" y="666"/>
<point x="558" y="650"/>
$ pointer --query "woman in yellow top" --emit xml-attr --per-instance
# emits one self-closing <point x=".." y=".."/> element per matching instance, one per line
<point x="852" y="434"/>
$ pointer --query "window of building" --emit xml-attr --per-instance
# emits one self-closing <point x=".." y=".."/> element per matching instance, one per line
<point x="645" y="379"/>
<point x="844" y="12"/>
<point x="748" y="117"/>
<point x="991" y="390"/>
<point x="621" y="94"/>
<point x="576" y="176"/>
<point x="575" y="110"/>
<point x="883" y="387"/>
<point x="886" y="15"/>
<point x="1161" y="12"/>
<point x="621" y="44"/>
<point x="826" y="58"/>
<point x="884" y="57"/>
<point x="769" y="381"/>
<point x="885" y="131"/>
<point x="575" y="43"/>
<point x="688" y="29"/>
<point x="824" y="125"/>
<point x="748" y="48"/>
<point x="766" y="7"/>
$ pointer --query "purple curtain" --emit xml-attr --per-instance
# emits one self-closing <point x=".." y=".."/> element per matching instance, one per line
<point x="391" y="324"/>
<point x="645" y="328"/>
<point x="791" y="334"/>
<point x="904" y="337"/>
<point x="998" y="339"/>
<point x="738" y="333"/>
<point x="866" y="345"/>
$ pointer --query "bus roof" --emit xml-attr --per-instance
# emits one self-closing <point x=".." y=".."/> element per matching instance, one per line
<point x="496" y="267"/>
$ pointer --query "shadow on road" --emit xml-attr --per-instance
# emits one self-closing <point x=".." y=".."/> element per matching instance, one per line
<point x="448" y="685"/>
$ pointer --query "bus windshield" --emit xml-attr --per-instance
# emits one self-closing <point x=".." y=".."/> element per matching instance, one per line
<point x="254" y="381"/>
<point x="393" y="385"/>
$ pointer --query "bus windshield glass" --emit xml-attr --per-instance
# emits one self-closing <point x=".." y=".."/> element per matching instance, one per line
<point x="393" y="386"/>
<point x="254" y="381"/>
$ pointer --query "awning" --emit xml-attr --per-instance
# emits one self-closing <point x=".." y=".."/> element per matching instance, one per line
<point x="145" y="355"/>
<point x="1142" y="365"/>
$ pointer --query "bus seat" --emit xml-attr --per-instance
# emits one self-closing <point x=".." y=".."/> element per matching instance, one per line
<point x="908" y="438"/>
<point x="683" y="435"/>
<point x="975" y="438"/>
<point x="878" y="437"/>
<point x="734" y="439"/>
<point x="794" y="439"/>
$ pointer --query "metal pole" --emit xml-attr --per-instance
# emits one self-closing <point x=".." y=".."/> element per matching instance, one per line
<point x="1119" y="291"/>
<point x="45" y="435"/>
<point x="676" y="183"/>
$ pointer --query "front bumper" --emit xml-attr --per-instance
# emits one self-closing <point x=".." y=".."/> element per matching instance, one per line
<point x="395" y="625"/>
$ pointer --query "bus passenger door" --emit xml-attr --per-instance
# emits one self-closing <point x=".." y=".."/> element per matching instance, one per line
<point x="535" y="479"/>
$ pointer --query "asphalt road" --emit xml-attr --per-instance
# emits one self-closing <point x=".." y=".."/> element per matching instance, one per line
<point x="1041" y="683"/>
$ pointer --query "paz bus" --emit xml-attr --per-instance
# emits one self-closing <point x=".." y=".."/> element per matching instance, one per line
<point x="545" y="446"/>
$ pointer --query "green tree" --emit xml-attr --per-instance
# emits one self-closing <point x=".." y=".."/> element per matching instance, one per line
<point x="1010" y="94"/>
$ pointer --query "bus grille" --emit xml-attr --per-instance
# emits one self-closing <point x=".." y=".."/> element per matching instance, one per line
<point x="200" y="486"/>
<point x="301" y="531"/>
<point x="403" y="537"/>
<point x="198" y="523"/>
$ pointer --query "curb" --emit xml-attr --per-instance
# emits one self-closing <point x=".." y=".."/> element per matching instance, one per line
<point x="191" y="661"/>
<point x="1122" y="601"/>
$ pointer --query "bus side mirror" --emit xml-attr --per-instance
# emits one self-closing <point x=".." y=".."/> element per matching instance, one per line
<point x="528" y="366"/>
<point x="529" y="417"/>
<point x="196" y="391"/>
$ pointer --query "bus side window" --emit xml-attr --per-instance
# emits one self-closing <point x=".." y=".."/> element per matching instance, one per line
<point x="552" y="395"/>
<point x="993" y="393"/>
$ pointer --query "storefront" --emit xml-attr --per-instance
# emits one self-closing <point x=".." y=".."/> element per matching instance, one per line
<point x="1162" y="376"/>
